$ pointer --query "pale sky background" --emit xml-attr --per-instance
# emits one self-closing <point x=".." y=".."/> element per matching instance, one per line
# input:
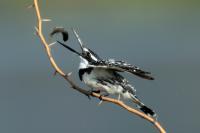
<point x="158" y="36"/>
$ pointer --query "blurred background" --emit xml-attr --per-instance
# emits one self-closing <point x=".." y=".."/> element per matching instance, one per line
<point x="158" y="36"/>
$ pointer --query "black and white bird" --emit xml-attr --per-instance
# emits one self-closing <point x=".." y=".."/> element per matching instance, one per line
<point x="103" y="75"/>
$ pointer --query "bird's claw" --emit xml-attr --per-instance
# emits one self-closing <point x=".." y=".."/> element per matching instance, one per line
<point x="100" y="98"/>
<point x="88" y="95"/>
<point x="96" y="91"/>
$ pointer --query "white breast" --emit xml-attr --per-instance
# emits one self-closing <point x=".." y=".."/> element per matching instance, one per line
<point x="83" y="63"/>
<point x="91" y="81"/>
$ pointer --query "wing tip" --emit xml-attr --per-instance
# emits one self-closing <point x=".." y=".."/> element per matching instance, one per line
<point x="151" y="78"/>
<point x="145" y="76"/>
<point x="148" y="77"/>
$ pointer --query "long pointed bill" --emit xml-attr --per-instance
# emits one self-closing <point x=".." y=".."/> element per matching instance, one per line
<point x="71" y="49"/>
<point x="78" y="38"/>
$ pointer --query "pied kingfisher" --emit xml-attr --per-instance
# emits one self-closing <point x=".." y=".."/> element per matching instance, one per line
<point x="103" y="75"/>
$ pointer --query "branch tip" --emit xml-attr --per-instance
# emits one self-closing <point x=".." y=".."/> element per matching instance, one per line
<point x="69" y="74"/>
<point x="30" y="6"/>
<point x="36" y="28"/>
<point x="46" y="20"/>
<point x="51" y="44"/>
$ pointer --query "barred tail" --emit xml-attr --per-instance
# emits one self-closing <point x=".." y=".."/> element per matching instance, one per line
<point x="143" y="108"/>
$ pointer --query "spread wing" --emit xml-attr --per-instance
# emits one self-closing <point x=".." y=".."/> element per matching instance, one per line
<point x="121" y="66"/>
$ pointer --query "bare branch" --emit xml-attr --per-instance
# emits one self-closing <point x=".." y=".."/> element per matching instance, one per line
<point x="76" y="87"/>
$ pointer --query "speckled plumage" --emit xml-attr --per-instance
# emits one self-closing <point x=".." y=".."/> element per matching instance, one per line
<point x="122" y="66"/>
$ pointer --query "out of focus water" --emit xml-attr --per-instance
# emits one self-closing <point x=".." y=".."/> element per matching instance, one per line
<point x="159" y="36"/>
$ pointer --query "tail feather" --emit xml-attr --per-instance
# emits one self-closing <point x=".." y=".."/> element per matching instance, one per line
<point x="147" y="110"/>
<point x="143" y="108"/>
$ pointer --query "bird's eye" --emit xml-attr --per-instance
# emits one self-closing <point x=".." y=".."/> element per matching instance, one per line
<point x="88" y="54"/>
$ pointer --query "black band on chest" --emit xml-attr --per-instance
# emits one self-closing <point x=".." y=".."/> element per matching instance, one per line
<point x="85" y="70"/>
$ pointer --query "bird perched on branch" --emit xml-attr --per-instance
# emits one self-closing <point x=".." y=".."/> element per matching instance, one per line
<point x="104" y="75"/>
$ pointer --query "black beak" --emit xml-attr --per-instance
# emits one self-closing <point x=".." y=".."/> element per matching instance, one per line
<point x="71" y="49"/>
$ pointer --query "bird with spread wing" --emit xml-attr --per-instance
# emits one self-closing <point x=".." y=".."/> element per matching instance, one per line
<point x="104" y="76"/>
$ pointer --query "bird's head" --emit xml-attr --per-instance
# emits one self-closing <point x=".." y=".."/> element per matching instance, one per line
<point x="87" y="56"/>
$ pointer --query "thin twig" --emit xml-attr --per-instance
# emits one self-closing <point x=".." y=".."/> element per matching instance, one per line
<point x="76" y="87"/>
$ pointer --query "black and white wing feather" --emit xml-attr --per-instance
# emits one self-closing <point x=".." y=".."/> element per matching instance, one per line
<point x="121" y="66"/>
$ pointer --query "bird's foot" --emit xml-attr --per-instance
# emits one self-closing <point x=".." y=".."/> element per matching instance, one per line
<point x="101" y="99"/>
<point x="94" y="91"/>
<point x="90" y="93"/>
<point x="103" y="95"/>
